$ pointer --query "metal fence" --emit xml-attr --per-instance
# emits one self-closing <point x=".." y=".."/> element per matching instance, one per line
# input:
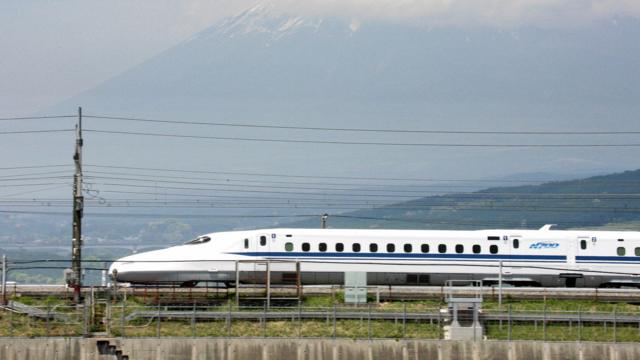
<point x="399" y="320"/>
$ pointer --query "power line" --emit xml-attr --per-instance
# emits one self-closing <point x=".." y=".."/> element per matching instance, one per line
<point x="35" y="131"/>
<point x="449" y="193"/>
<point x="34" y="174"/>
<point x="38" y="190"/>
<point x="228" y="184"/>
<point x="37" y="117"/>
<point x="288" y="127"/>
<point x="24" y="185"/>
<point x="227" y="180"/>
<point x="33" y="178"/>
<point x="34" y="167"/>
<point x="336" y="142"/>
<point x="153" y="169"/>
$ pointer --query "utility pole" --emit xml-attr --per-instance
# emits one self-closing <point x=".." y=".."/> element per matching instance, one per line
<point x="78" y="205"/>
<point x="323" y="220"/>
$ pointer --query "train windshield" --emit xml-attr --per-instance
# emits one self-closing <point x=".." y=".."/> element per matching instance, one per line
<point x="198" y="240"/>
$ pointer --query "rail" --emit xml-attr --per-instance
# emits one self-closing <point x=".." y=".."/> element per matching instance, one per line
<point x="380" y="292"/>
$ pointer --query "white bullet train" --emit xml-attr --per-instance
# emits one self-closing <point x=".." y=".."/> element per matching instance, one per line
<point x="544" y="257"/>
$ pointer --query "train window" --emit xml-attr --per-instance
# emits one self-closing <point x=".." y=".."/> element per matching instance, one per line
<point x="493" y="237"/>
<point x="493" y="249"/>
<point x="476" y="249"/>
<point x="442" y="248"/>
<point x="246" y="243"/>
<point x="339" y="247"/>
<point x="459" y="249"/>
<point x="263" y="240"/>
<point x="516" y="243"/>
<point x="637" y="251"/>
<point x="583" y="244"/>
<point x="355" y="247"/>
<point x="288" y="246"/>
<point x="621" y="251"/>
<point x="391" y="248"/>
<point x="373" y="247"/>
<point x="408" y="248"/>
<point x="424" y="248"/>
<point x="322" y="247"/>
<point x="199" y="240"/>
<point x="306" y="247"/>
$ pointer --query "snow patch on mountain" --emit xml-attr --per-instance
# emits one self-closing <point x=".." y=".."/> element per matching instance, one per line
<point x="262" y="19"/>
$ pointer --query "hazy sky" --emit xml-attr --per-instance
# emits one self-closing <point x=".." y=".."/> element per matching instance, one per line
<point x="53" y="50"/>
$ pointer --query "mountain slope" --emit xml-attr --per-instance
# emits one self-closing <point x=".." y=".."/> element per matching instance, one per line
<point x="590" y="202"/>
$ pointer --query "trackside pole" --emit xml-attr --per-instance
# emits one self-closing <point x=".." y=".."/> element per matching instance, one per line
<point x="298" y="282"/>
<point x="268" y="284"/>
<point x="4" y="279"/>
<point x="237" y="283"/>
<point x="500" y="288"/>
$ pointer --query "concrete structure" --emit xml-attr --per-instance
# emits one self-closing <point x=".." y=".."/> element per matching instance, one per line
<point x="310" y="349"/>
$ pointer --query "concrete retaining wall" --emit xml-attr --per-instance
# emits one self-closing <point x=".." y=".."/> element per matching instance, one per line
<point x="311" y="349"/>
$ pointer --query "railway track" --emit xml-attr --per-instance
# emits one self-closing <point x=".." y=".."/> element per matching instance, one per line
<point x="380" y="292"/>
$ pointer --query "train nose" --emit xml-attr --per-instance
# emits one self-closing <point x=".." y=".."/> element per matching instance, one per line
<point x="119" y="269"/>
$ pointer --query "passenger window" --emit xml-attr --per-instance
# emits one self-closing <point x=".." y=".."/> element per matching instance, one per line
<point x="424" y="248"/>
<point x="322" y="247"/>
<point x="246" y="243"/>
<point x="408" y="248"/>
<point x="493" y="249"/>
<point x="637" y="251"/>
<point x="476" y="249"/>
<point x="373" y="247"/>
<point x="516" y="243"/>
<point x="306" y="247"/>
<point x="263" y="240"/>
<point x="442" y="248"/>
<point x="391" y="248"/>
<point x="356" y="247"/>
<point x="288" y="246"/>
<point x="459" y="249"/>
<point x="583" y="244"/>
<point x="339" y="247"/>
<point x="621" y="251"/>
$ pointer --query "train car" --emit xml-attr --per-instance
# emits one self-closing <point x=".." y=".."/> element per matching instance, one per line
<point x="544" y="257"/>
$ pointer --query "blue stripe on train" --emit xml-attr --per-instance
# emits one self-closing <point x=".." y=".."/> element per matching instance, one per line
<point x="478" y="257"/>
<point x="615" y="259"/>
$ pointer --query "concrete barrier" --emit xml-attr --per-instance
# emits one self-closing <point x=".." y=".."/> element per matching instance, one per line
<point x="310" y="349"/>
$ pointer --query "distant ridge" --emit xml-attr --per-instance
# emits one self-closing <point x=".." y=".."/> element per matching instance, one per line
<point x="590" y="202"/>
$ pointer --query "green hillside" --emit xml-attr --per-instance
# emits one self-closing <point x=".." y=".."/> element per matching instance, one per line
<point x="610" y="200"/>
